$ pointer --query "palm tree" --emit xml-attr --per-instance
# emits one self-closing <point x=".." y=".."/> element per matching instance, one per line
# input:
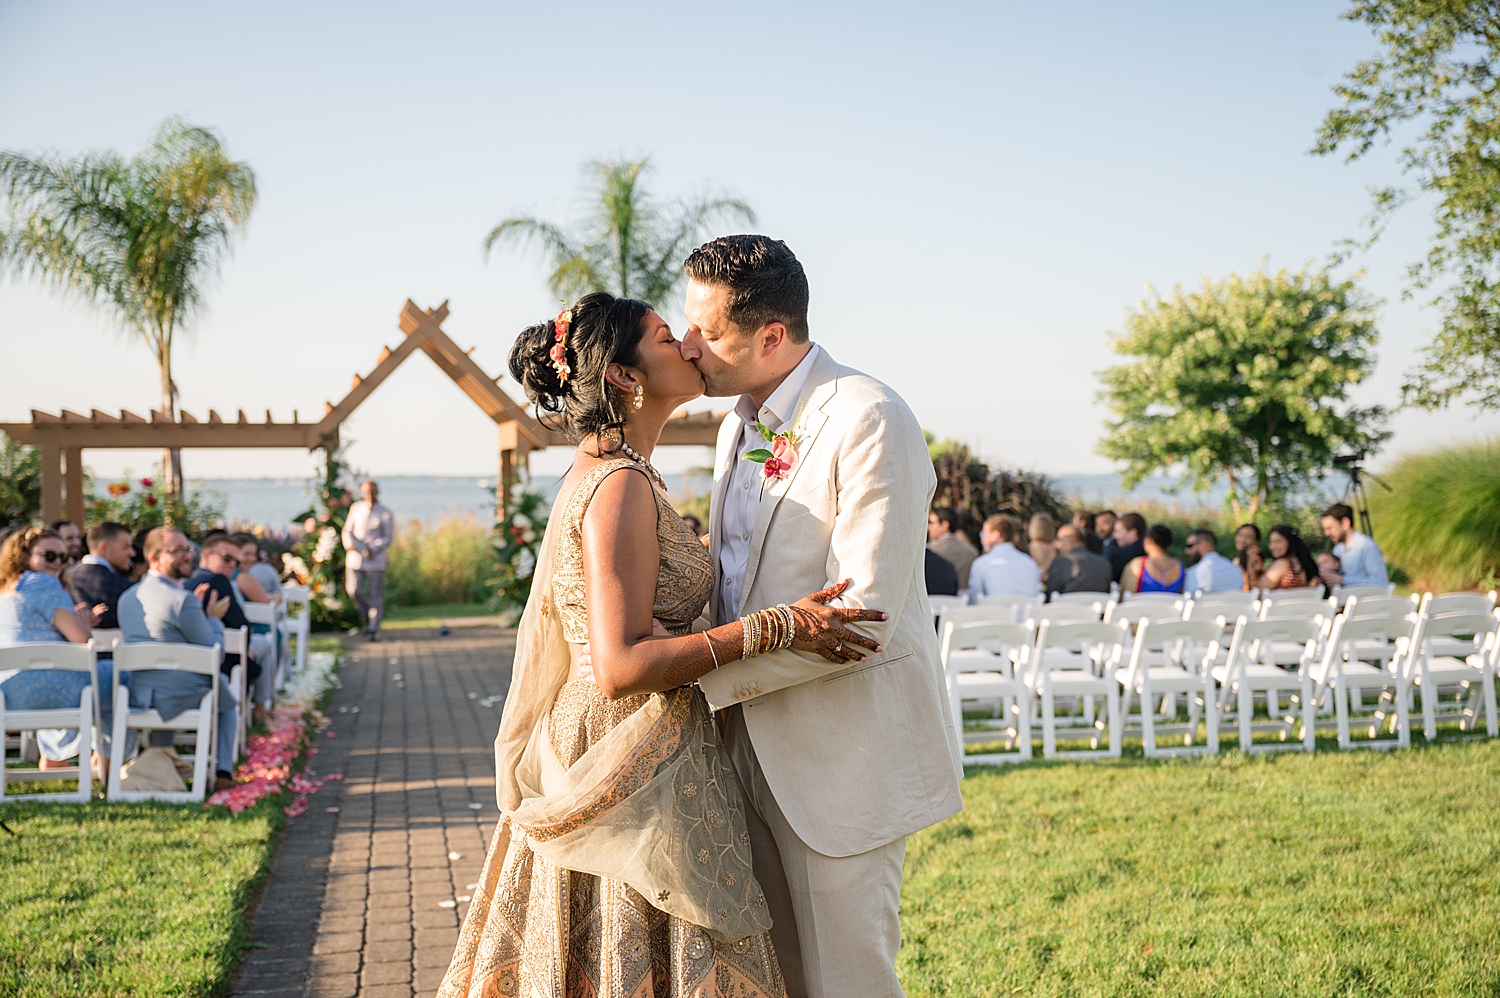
<point x="628" y="244"/>
<point x="141" y="236"/>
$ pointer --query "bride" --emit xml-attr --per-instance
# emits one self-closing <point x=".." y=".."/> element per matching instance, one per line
<point x="621" y="864"/>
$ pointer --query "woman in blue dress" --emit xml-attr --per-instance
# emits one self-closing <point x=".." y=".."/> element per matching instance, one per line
<point x="35" y="607"/>
<point x="1158" y="571"/>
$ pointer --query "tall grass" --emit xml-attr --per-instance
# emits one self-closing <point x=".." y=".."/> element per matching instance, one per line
<point x="447" y="562"/>
<point x="1440" y="521"/>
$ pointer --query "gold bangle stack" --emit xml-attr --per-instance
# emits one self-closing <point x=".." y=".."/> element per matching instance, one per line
<point x="768" y="630"/>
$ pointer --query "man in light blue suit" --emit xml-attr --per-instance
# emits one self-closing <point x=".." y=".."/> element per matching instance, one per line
<point x="159" y="608"/>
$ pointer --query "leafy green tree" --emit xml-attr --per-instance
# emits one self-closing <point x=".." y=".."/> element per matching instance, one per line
<point x="1436" y="83"/>
<point x="20" y="482"/>
<point x="141" y="237"/>
<point x="628" y="243"/>
<point x="1243" y="381"/>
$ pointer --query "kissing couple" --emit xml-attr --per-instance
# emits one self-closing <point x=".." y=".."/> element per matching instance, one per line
<point x="715" y="812"/>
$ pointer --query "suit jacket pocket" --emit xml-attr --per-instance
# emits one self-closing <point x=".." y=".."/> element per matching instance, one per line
<point x="866" y="667"/>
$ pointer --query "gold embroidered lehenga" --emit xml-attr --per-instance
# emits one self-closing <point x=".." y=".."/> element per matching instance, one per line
<point x="621" y="864"/>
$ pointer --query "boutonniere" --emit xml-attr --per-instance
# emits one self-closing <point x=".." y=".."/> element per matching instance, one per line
<point x="778" y="460"/>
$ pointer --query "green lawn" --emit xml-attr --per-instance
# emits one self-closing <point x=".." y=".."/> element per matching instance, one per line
<point x="112" y="900"/>
<point x="401" y="617"/>
<point x="1367" y="873"/>
<point x="127" y="899"/>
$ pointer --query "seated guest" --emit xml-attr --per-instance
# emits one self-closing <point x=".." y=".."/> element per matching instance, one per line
<point x="1084" y="521"/>
<point x="103" y="575"/>
<point x="72" y="538"/>
<point x="1003" y="570"/>
<point x="942" y="577"/>
<point x="1041" y="533"/>
<point x="160" y="609"/>
<point x="1328" y="562"/>
<point x="1249" y="556"/>
<point x="944" y="538"/>
<point x="218" y="560"/>
<point x="1360" y="560"/>
<point x="1104" y="526"/>
<point x="252" y="562"/>
<point x="248" y="582"/>
<point x="1130" y="544"/>
<point x="1076" y="569"/>
<point x="1208" y="570"/>
<point x="1293" y="566"/>
<point x="35" y="607"/>
<point x="138" y="565"/>
<point x="1155" y="571"/>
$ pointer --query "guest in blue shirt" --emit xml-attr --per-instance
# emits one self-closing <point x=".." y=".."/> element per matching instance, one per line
<point x="1208" y="570"/>
<point x="1358" y="554"/>
<point x="35" y="607"/>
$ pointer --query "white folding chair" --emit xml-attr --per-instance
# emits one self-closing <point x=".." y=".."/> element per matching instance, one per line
<point x="1342" y="594"/>
<point x="237" y="642"/>
<point x="104" y="638"/>
<point x="265" y="613"/>
<point x="298" y="621"/>
<point x="1472" y="674"/>
<point x="63" y="657"/>
<point x="1095" y="601"/>
<point x="1248" y="671"/>
<point x="1440" y="603"/>
<point x="1089" y="674"/>
<point x="1381" y="606"/>
<point x="1061" y="613"/>
<point x="1346" y="671"/>
<point x="202" y="721"/>
<point x="1443" y="603"/>
<point x="1297" y="609"/>
<point x="1275" y="597"/>
<point x="1142" y="599"/>
<point x="1210" y="605"/>
<point x="1188" y="651"/>
<point x="1017" y="605"/>
<point x="938" y="604"/>
<point x="987" y="661"/>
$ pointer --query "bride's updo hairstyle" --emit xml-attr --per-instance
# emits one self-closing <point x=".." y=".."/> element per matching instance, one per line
<point x="605" y="330"/>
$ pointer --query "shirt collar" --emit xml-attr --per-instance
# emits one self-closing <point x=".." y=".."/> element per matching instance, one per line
<point x="94" y="559"/>
<point x="779" y="407"/>
<point x="165" y="578"/>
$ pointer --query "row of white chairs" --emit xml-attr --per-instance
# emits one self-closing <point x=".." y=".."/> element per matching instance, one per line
<point x="1221" y="658"/>
<point x="290" y="625"/>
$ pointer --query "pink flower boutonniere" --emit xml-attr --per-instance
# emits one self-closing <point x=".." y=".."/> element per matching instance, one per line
<point x="781" y="456"/>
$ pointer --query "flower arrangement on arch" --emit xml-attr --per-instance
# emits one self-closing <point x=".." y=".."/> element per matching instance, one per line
<point x="517" y="538"/>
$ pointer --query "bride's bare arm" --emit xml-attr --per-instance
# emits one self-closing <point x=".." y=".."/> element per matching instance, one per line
<point x="620" y="561"/>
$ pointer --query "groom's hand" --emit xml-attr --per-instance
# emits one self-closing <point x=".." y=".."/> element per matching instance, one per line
<point x="820" y="627"/>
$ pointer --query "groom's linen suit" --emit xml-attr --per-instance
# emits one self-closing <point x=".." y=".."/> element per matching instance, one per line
<point x="840" y="763"/>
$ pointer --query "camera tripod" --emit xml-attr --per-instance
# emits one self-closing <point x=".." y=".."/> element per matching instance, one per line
<point x="1356" y="496"/>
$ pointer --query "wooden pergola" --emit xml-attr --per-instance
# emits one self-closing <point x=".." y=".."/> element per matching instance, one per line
<point x="64" y="437"/>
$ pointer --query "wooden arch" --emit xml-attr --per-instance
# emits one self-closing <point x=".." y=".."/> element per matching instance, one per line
<point x="65" y="436"/>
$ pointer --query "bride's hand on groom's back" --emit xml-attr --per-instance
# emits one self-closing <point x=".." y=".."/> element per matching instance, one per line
<point x="821" y="630"/>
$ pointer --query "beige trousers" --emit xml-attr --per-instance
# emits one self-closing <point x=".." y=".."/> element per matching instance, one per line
<point x="836" y="920"/>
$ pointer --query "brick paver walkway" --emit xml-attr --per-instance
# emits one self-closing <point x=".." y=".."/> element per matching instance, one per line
<point x="364" y="901"/>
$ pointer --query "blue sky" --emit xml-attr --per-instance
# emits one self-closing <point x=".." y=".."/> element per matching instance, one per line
<point x="978" y="191"/>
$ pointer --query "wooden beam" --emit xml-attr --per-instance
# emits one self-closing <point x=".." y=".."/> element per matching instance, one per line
<point x="420" y="324"/>
<point x="481" y="388"/>
<point x="73" y="483"/>
<point x="699" y="429"/>
<point x="52" y="485"/>
<point x="155" y="435"/>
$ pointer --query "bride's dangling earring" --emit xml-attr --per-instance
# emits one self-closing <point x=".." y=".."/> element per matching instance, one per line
<point x="640" y="397"/>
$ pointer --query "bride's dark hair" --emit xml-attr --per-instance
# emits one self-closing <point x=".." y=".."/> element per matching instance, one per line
<point x="605" y="330"/>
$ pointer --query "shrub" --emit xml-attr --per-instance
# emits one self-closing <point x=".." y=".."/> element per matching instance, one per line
<point x="1440" y="520"/>
<point x="451" y="561"/>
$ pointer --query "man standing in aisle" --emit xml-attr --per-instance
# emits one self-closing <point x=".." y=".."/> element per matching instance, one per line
<point x="368" y="532"/>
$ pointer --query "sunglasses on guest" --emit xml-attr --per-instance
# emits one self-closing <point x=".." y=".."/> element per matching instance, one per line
<point x="52" y="557"/>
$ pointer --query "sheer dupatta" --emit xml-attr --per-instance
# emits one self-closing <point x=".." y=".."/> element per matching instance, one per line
<point x="653" y="803"/>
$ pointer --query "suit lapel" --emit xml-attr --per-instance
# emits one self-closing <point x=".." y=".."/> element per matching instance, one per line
<point x="822" y="382"/>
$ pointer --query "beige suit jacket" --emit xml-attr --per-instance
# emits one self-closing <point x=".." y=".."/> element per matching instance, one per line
<point x="857" y="756"/>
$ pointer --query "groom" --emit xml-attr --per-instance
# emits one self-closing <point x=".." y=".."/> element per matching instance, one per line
<point x="840" y="763"/>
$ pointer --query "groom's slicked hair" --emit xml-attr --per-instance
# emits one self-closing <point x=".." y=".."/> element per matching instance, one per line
<point x="766" y="282"/>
